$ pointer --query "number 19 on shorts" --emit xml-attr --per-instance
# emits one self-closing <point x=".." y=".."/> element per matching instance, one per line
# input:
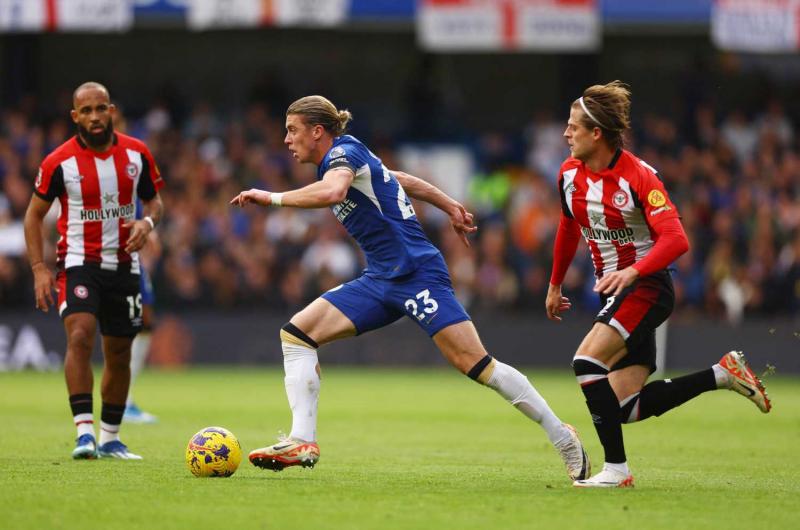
<point x="134" y="306"/>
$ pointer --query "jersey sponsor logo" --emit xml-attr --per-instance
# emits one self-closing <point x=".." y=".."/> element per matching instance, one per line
<point x="337" y="152"/>
<point x="656" y="198"/>
<point x="38" y="178"/>
<point x="620" y="199"/>
<point x="132" y="171"/>
<point x="81" y="292"/>
<point x="343" y="209"/>
<point x="101" y="214"/>
<point x="620" y="235"/>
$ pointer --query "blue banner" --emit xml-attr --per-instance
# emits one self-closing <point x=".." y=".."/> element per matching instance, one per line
<point x="661" y="13"/>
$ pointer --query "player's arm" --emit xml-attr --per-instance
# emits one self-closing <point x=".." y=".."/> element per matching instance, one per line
<point x="460" y="218"/>
<point x="567" y="238"/>
<point x="141" y="228"/>
<point x="670" y="243"/>
<point x="330" y="190"/>
<point x="43" y="280"/>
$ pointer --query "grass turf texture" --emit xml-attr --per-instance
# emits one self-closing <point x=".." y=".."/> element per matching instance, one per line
<point x="400" y="449"/>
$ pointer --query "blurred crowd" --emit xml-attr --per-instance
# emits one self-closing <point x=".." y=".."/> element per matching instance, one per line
<point x="735" y="177"/>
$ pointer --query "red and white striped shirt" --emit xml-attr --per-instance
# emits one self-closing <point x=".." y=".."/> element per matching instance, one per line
<point x="616" y="208"/>
<point x="97" y="193"/>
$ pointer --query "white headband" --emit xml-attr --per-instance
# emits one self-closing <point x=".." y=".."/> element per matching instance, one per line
<point x="586" y="110"/>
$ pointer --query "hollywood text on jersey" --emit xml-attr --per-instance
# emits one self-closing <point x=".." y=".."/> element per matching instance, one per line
<point x="620" y="235"/>
<point x="101" y="214"/>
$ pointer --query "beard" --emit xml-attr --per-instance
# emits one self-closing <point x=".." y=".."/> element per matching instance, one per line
<point x="100" y="139"/>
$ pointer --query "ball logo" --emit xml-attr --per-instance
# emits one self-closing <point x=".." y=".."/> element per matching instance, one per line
<point x="132" y="171"/>
<point x="620" y="199"/>
<point x="337" y="152"/>
<point x="39" y="178"/>
<point x="81" y="292"/>
<point x="656" y="198"/>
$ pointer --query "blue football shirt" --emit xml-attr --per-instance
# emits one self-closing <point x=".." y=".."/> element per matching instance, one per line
<point x="377" y="212"/>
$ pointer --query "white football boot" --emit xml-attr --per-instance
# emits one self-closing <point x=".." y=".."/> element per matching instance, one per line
<point x="287" y="452"/>
<point x="574" y="455"/>
<point x="607" y="478"/>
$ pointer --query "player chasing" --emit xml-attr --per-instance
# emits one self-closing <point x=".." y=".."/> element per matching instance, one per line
<point x="619" y="205"/>
<point x="405" y="276"/>
<point x="96" y="176"/>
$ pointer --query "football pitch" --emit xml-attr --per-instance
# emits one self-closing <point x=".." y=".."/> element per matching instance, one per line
<point x="400" y="448"/>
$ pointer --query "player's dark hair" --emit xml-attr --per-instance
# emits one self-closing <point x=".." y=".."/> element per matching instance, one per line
<point x="609" y="107"/>
<point x="318" y="110"/>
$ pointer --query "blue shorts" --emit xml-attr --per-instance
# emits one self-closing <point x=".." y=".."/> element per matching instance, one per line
<point x="146" y="287"/>
<point x="426" y="296"/>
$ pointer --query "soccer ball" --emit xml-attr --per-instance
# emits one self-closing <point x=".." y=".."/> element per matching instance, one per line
<point x="213" y="452"/>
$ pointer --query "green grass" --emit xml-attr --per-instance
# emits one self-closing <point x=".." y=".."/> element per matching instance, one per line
<point x="400" y="449"/>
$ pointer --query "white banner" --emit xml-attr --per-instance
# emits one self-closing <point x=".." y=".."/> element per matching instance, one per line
<point x="568" y="27"/>
<point x="510" y="25"/>
<point x="215" y="14"/>
<point x="94" y="15"/>
<point x="765" y="26"/>
<point x="22" y="15"/>
<point x="310" y="12"/>
<point x="218" y="14"/>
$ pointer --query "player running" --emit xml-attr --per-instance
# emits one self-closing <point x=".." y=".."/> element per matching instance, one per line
<point x="620" y="206"/>
<point x="96" y="176"/>
<point x="405" y="276"/>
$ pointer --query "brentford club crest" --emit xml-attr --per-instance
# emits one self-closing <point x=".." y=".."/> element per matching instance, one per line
<point x="132" y="171"/>
<point x="81" y="292"/>
<point x="620" y="199"/>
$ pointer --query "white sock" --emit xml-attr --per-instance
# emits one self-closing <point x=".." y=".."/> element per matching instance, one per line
<point x="139" y="350"/>
<point x="108" y="433"/>
<point x="84" y="423"/>
<point x="302" y="388"/>
<point x="722" y="376"/>
<point x="619" y="468"/>
<point x="517" y="390"/>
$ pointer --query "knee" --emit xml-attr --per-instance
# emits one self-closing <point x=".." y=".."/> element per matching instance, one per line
<point x="293" y="335"/>
<point x="588" y="368"/>
<point x="118" y="355"/>
<point x="465" y="361"/>
<point x="80" y="340"/>
<point x="482" y="370"/>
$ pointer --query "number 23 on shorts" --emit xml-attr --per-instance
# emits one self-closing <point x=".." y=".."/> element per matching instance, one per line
<point x="429" y="304"/>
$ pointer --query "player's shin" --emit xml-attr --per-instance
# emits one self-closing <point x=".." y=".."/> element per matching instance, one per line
<point x="592" y="375"/>
<point x="302" y="381"/>
<point x="658" y="397"/>
<point x="517" y="390"/>
<point x="110" y="421"/>
<point x="81" y="406"/>
<point x="139" y="349"/>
